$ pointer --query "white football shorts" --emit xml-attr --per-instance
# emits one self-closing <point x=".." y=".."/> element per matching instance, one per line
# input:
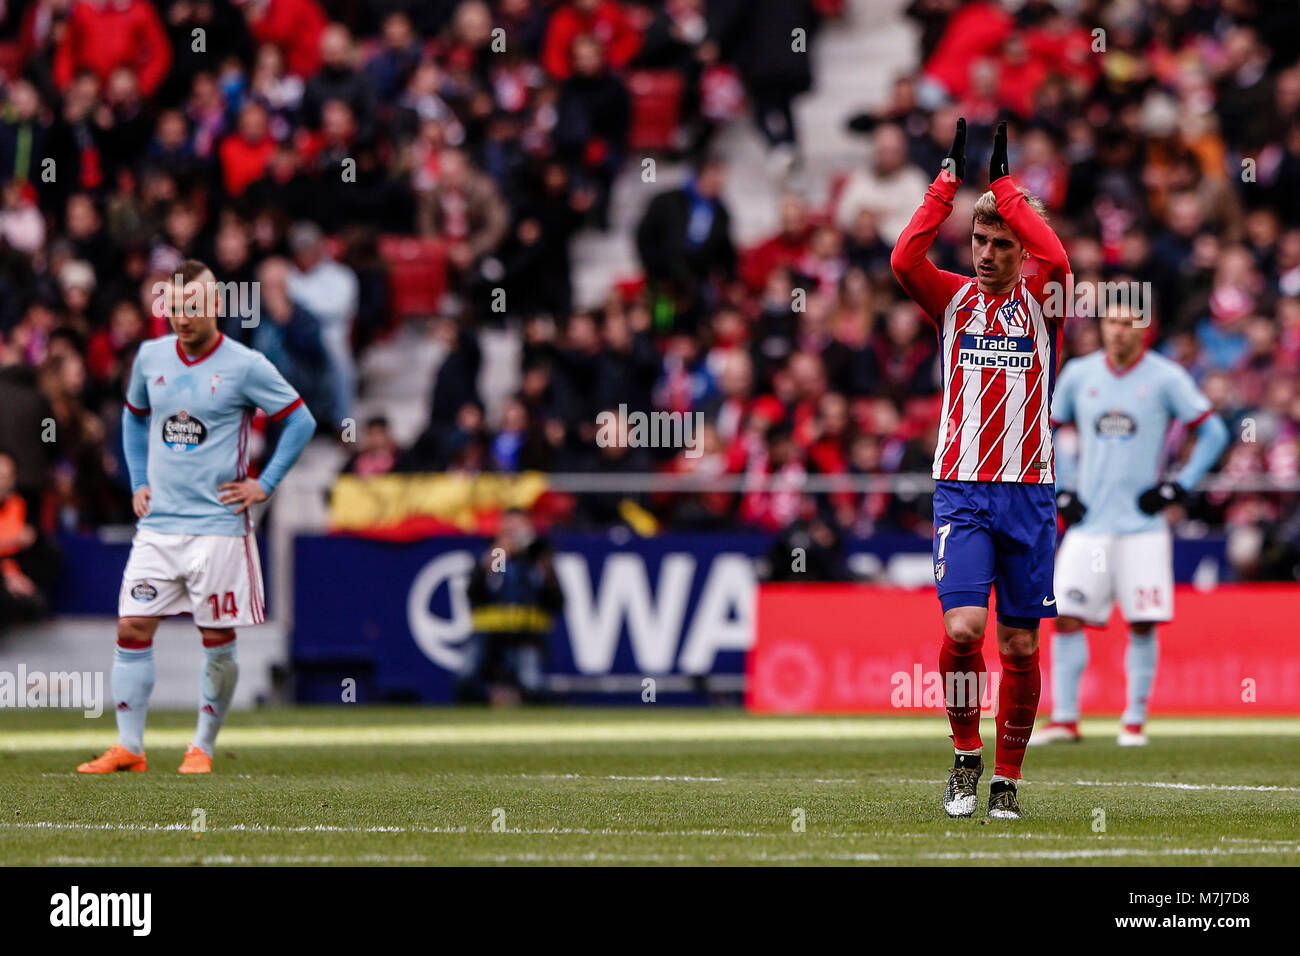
<point x="1093" y="571"/>
<point x="215" y="577"/>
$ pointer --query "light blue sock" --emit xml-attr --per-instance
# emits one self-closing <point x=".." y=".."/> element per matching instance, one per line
<point x="132" y="680"/>
<point x="1069" y="659"/>
<point x="216" y="688"/>
<point x="1140" y="663"/>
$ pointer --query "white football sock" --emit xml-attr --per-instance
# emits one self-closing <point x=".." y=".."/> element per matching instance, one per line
<point x="132" y="680"/>
<point x="216" y="688"/>
<point x="1069" y="660"/>
<point x="1140" y="665"/>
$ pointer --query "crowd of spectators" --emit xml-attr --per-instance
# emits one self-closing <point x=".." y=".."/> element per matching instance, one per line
<point x="279" y="139"/>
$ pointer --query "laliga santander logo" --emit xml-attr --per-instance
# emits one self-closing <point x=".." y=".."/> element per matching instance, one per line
<point x="439" y="637"/>
<point x="792" y="677"/>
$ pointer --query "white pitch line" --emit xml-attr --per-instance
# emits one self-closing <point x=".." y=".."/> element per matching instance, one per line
<point x="72" y="774"/>
<point x="658" y="778"/>
<point x="1157" y="784"/>
<point x="1268" y="788"/>
<point x="661" y="729"/>
<point x="241" y="860"/>
<point x="1116" y="852"/>
<point x="1280" y="845"/>
<point x="1180" y="786"/>
<point x="606" y="857"/>
<point x="235" y="828"/>
<point x="867" y="857"/>
<point x="1264" y="788"/>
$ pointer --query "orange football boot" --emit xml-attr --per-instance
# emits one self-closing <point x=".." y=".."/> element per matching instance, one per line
<point x="115" y="757"/>
<point x="196" y="761"/>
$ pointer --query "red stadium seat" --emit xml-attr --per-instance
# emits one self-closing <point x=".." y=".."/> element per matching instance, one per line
<point x="656" y="108"/>
<point x="417" y="275"/>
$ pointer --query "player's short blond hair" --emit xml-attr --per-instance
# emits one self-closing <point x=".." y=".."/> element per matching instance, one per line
<point x="986" y="208"/>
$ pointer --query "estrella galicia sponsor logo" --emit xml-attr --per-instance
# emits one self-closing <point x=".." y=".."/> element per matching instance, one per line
<point x="183" y="431"/>
<point x="1116" y="425"/>
<point x="144" y="591"/>
<point x="996" y="352"/>
<point x="133" y="911"/>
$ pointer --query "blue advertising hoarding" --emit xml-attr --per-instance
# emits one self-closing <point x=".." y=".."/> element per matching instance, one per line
<point x="394" y="617"/>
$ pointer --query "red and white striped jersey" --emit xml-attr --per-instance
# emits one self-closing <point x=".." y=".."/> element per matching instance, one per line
<point x="999" y="353"/>
<point x="999" y="366"/>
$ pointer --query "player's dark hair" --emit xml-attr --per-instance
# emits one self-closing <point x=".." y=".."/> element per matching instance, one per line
<point x="190" y="270"/>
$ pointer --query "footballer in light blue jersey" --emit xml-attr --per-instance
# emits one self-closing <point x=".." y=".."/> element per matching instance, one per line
<point x="1123" y="416"/>
<point x="200" y="410"/>
<point x="1122" y="401"/>
<point x="190" y="400"/>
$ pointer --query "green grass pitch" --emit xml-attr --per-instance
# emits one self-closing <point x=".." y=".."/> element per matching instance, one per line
<point x="640" y="786"/>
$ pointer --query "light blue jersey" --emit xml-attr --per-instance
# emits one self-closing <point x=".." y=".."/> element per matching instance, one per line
<point x="1123" y="418"/>
<point x="200" y="412"/>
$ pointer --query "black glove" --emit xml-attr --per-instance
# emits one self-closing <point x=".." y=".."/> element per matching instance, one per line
<point x="1164" y="494"/>
<point x="1070" y="507"/>
<point x="955" y="163"/>
<point x="998" y="161"/>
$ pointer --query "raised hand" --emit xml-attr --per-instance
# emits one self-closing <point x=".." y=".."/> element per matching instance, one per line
<point x="998" y="161"/>
<point x="954" y="165"/>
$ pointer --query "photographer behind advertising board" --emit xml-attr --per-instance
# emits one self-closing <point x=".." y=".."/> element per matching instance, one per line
<point x="514" y="599"/>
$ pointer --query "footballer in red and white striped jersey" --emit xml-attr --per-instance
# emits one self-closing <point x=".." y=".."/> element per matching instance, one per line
<point x="994" y="496"/>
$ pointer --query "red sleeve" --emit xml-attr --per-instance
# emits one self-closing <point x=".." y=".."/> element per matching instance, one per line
<point x="928" y="286"/>
<point x="155" y="52"/>
<point x="1038" y="238"/>
<point x="310" y="21"/>
<point x="555" y="48"/>
<point x="626" y="42"/>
